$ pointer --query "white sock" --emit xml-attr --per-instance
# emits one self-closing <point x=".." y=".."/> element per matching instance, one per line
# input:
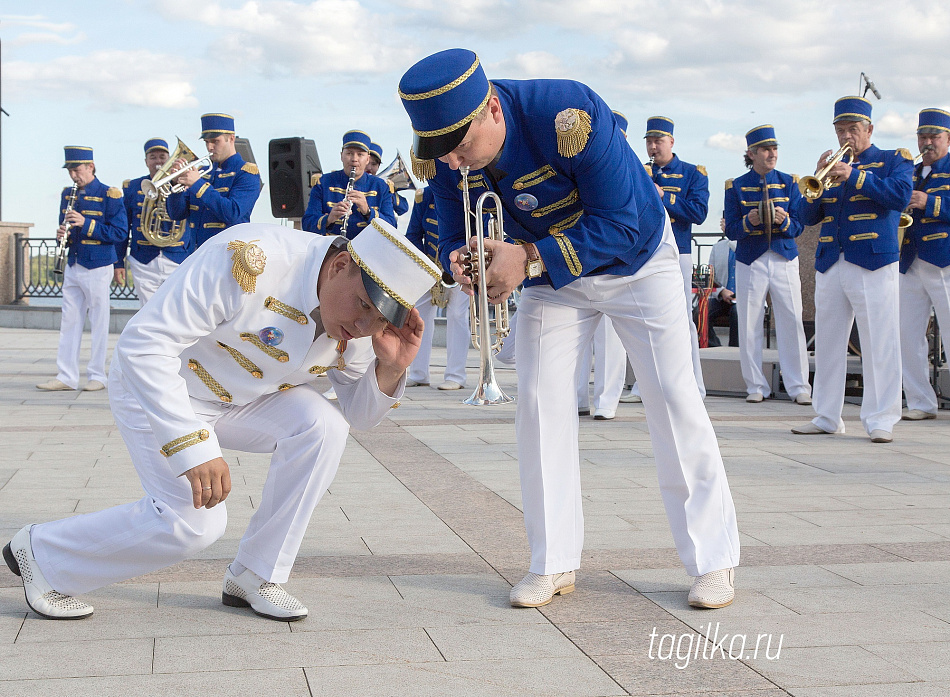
<point x="237" y="568"/>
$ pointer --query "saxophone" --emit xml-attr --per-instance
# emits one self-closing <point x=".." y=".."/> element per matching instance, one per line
<point x="62" y="249"/>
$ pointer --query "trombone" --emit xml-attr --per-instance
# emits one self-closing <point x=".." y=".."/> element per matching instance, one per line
<point x="813" y="186"/>
<point x="162" y="186"/>
<point x="487" y="391"/>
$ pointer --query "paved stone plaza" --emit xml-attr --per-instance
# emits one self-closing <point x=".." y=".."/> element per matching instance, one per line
<point x="410" y="556"/>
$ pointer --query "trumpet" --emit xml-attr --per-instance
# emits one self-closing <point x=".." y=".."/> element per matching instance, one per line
<point x="907" y="218"/>
<point x="349" y="188"/>
<point x="813" y="186"/>
<point x="163" y="185"/>
<point x="62" y="249"/>
<point x="487" y="391"/>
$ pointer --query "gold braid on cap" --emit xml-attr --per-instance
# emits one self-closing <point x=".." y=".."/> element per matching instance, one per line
<point x="403" y="248"/>
<point x="377" y="279"/>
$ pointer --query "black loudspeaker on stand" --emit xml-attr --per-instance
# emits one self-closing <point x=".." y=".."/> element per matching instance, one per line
<point x="292" y="162"/>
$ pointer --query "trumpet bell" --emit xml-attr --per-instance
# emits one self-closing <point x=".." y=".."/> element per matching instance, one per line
<point x="811" y="187"/>
<point x="149" y="189"/>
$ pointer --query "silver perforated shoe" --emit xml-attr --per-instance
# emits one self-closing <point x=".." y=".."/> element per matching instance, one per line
<point x="266" y="599"/>
<point x="714" y="589"/>
<point x="40" y="596"/>
<point x="535" y="590"/>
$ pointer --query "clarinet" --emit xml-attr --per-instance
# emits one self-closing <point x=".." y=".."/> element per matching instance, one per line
<point x="349" y="188"/>
<point x="62" y="253"/>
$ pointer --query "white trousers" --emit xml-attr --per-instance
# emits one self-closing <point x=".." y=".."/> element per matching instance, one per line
<point x="148" y="277"/>
<point x="458" y="337"/>
<point x="686" y="268"/>
<point x="610" y="364"/>
<point x="306" y="435"/>
<point x="922" y="287"/>
<point x="846" y="293"/>
<point x="651" y="318"/>
<point x="85" y="291"/>
<point x="771" y="274"/>
<point x="506" y="354"/>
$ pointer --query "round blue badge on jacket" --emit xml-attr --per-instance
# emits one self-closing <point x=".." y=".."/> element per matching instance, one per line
<point x="271" y="336"/>
<point x="526" y="202"/>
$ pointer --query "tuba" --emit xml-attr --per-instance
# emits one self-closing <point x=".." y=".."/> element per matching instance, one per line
<point x="398" y="174"/>
<point x="813" y="186"/>
<point x="156" y="227"/>
<point x="487" y="391"/>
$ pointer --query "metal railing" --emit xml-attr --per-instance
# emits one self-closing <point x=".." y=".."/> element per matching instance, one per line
<point x="35" y="257"/>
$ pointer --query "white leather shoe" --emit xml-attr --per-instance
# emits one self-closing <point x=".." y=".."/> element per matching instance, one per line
<point x="604" y="414"/>
<point x="755" y="397"/>
<point x="810" y="429"/>
<point x="803" y="398"/>
<point x="714" y="589"/>
<point x="93" y="386"/>
<point x="330" y="394"/>
<point x="918" y="415"/>
<point x="535" y="590"/>
<point x="266" y="599"/>
<point x="416" y="383"/>
<point x="879" y="435"/>
<point x="40" y="596"/>
<point x="629" y="397"/>
<point x="53" y="385"/>
<point x="450" y="385"/>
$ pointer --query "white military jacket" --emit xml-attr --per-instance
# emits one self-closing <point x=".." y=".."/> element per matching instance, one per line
<point x="232" y="324"/>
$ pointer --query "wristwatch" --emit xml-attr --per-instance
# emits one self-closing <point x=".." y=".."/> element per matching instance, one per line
<point x="534" y="266"/>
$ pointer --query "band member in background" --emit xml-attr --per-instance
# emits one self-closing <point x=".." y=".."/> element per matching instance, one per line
<point x="595" y="241"/>
<point x="722" y="301"/>
<point x="150" y="265"/>
<point x="400" y="205"/>
<point x="94" y="227"/>
<point x="223" y="197"/>
<point x="188" y="374"/>
<point x="767" y="266"/>
<point x="423" y="232"/>
<point x="333" y="199"/>
<point x="857" y="274"/>
<point x="925" y="261"/>
<point x="684" y="191"/>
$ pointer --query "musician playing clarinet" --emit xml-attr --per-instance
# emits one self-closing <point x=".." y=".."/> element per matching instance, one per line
<point x="345" y="201"/>
<point x="94" y="226"/>
<point x="593" y="240"/>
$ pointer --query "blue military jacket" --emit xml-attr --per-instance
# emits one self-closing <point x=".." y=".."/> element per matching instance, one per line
<point x="685" y="196"/>
<point x="929" y="236"/>
<point x="94" y="243"/>
<point x="743" y="195"/>
<point x="590" y="211"/>
<point x="859" y="217"/>
<point x="141" y="249"/>
<point x="423" y="230"/>
<point x="218" y="200"/>
<point x="331" y="189"/>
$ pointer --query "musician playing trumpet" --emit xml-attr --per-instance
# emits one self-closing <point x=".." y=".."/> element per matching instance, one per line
<point x="856" y="260"/>
<point x="345" y="201"/>
<point x="767" y="264"/>
<point x="94" y="227"/>
<point x="925" y="261"/>
<point x="150" y="265"/>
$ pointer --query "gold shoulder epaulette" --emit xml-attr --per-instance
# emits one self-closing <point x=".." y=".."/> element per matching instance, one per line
<point x="125" y="184"/>
<point x="701" y="170"/>
<point x="248" y="263"/>
<point x="419" y="194"/>
<point x="905" y="153"/>
<point x="573" y="127"/>
<point x="392" y="187"/>
<point x="728" y="184"/>
<point x="315" y="178"/>
<point x="794" y="179"/>
<point x="250" y="168"/>
<point x="113" y="192"/>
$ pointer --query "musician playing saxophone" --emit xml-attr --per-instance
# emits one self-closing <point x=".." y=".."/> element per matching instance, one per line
<point x="222" y="197"/>
<point x="330" y="201"/>
<point x="150" y="264"/>
<point x="95" y="226"/>
<point x="925" y="261"/>
<point x="856" y="260"/>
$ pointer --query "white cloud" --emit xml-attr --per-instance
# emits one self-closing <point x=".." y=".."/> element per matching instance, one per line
<point x="726" y="141"/>
<point x="529" y="66"/>
<point x="36" y="29"/>
<point x="903" y="126"/>
<point x="279" y="37"/>
<point x="107" y="78"/>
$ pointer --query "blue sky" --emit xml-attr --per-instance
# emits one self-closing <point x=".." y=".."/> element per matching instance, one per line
<point x="112" y="74"/>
